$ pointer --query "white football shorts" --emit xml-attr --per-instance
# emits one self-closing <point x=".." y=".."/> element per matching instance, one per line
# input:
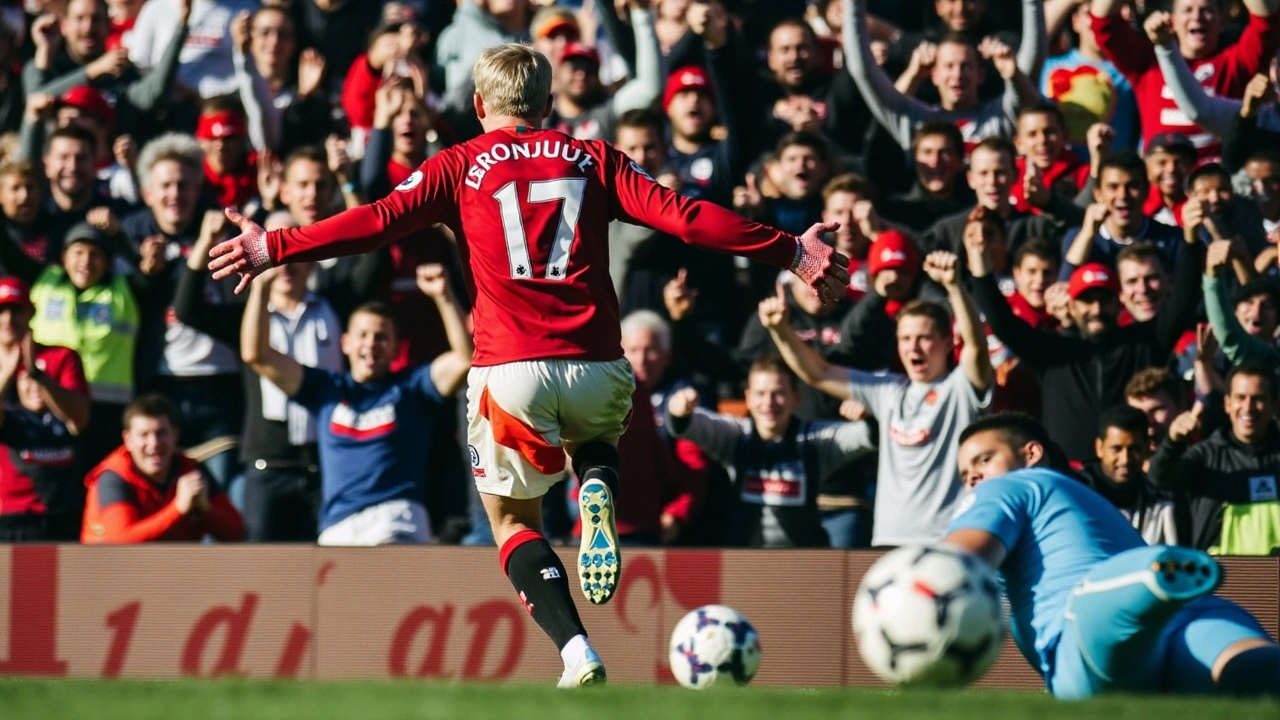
<point x="520" y="415"/>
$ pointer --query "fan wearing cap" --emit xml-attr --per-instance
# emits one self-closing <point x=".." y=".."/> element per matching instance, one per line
<point x="894" y="280"/>
<point x="583" y="107"/>
<point x="45" y="407"/>
<point x="1213" y="206"/>
<point x="74" y="53"/>
<point x="1169" y="157"/>
<point x="86" y="107"/>
<point x="84" y="305"/>
<point x="1196" y="27"/>
<point x="554" y="29"/>
<point x="230" y="167"/>
<point x="1084" y="372"/>
<point x="705" y="168"/>
<point x="1115" y="220"/>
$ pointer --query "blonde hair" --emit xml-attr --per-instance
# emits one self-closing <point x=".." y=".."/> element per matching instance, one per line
<point x="178" y="147"/>
<point x="514" y="80"/>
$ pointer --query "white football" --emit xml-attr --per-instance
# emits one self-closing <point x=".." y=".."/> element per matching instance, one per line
<point x="714" y="644"/>
<point x="929" y="616"/>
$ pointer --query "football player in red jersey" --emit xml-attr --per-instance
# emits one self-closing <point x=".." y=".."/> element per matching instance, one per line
<point x="531" y="208"/>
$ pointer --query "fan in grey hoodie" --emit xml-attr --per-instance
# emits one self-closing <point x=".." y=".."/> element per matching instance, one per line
<point x="477" y="26"/>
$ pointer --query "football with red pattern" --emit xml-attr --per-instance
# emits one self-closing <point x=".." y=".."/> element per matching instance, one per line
<point x="929" y="616"/>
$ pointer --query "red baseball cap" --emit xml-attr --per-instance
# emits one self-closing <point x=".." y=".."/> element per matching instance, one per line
<point x="580" y="50"/>
<point x="691" y="77"/>
<point x="14" y="292"/>
<point x="220" y="125"/>
<point x="90" y="102"/>
<point x="892" y="251"/>
<point x="1091" y="276"/>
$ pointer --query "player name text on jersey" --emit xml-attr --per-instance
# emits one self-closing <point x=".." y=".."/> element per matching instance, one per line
<point x="501" y="152"/>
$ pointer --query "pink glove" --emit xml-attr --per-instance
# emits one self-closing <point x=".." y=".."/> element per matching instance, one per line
<point x="245" y="253"/>
<point x="819" y="265"/>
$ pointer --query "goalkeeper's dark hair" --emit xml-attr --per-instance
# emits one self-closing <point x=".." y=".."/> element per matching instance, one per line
<point x="1016" y="429"/>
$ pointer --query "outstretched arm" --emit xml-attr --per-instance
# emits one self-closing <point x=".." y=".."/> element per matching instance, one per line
<point x="898" y="113"/>
<point x="716" y="434"/>
<point x="350" y="232"/>
<point x="641" y="201"/>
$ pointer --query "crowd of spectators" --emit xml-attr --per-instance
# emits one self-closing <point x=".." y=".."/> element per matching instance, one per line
<point x="1069" y="208"/>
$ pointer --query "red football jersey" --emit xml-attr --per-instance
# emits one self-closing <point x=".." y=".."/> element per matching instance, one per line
<point x="531" y="211"/>
<point x="1225" y="74"/>
<point x="18" y="490"/>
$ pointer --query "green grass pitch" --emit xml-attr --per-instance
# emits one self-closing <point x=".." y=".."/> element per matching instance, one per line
<point x="239" y="700"/>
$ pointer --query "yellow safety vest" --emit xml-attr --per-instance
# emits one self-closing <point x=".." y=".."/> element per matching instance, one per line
<point x="100" y="323"/>
<point x="1249" y="529"/>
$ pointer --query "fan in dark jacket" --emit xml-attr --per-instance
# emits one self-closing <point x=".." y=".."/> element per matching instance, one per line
<point x="1084" y="370"/>
<point x="1229" y="481"/>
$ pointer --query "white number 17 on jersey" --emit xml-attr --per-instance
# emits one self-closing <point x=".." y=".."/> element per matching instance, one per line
<point x="567" y="190"/>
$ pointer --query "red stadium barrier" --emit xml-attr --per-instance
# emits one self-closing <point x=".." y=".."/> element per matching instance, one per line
<point x="314" y="613"/>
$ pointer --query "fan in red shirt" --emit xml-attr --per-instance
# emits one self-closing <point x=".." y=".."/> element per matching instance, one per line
<point x="1042" y="142"/>
<point x="148" y="490"/>
<point x="531" y="209"/>
<point x="230" y="167"/>
<point x="1198" y="26"/>
<point x="44" y="408"/>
